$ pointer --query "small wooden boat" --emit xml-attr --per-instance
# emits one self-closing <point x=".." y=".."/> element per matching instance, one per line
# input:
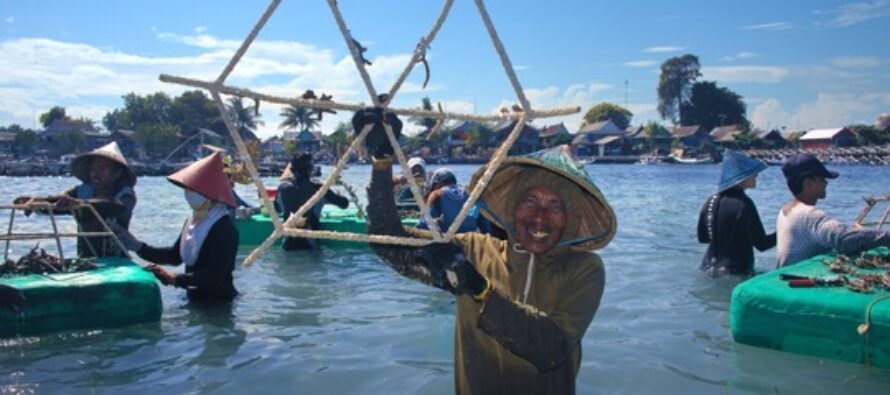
<point x="689" y="161"/>
<point x="256" y="229"/>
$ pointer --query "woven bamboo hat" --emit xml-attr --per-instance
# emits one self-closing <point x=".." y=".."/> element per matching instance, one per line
<point x="80" y="166"/>
<point x="736" y="168"/>
<point x="591" y="222"/>
<point x="206" y="177"/>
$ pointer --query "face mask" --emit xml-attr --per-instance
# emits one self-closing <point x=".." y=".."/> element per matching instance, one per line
<point x="194" y="199"/>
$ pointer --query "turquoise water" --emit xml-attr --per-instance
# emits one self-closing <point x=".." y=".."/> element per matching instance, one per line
<point x="339" y="322"/>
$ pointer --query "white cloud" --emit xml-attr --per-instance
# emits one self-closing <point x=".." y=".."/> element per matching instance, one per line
<point x="854" y="13"/>
<point x="10" y="19"/>
<point x="858" y="62"/>
<point x="663" y="49"/>
<point x="747" y="55"/>
<point x="772" y="26"/>
<point x="200" y="29"/>
<point x="641" y="63"/>
<point x="37" y="73"/>
<point x="828" y="110"/>
<point x="755" y="74"/>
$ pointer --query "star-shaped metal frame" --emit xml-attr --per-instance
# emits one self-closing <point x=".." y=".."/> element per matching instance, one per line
<point x="290" y="226"/>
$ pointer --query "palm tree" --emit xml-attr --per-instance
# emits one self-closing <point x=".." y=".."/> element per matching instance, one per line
<point x="299" y="117"/>
<point x="246" y="118"/>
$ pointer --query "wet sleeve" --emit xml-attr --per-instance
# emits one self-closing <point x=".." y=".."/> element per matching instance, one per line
<point x="756" y="233"/>
<point x="163" y="255"/>
<point x="336" y="199"/>
<point x="703" y="236"/>
<point x="847" y="240"/>
<point x="383" y="219"/>
<point x="547" y="340"/>
<point x="217" y="257"/>
<point x="129" y="202"/>
<point x="287" y="199"/>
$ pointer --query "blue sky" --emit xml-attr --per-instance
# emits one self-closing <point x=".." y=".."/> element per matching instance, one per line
<point x="807" y="64"/>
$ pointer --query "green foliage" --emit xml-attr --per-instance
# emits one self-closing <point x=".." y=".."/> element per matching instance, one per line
<point x="70" y="140"/>
<point x="677" y="76"/>
<point x="426" y="123"/>
<point x="289" y="147"/>
<point x="712" y="106"/>
<point x="653" y="131"/>
<point x="340" y="139"/>
<point x="52" y="115"/>
<point x="561" y="139"/>
<point x="747" y="140"/>
<point x="870" y="135"/>
<point x="245" y="118"/>
<point x="192" y="110"/>
<point x="478" y="137"/>
<point x="620" y="116"/>
<point x="298" y="117"/>
<point x="158" y="139"/>
<point x="25" y="140"/>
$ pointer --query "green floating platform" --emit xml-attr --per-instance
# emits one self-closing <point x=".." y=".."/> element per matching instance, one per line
<point x="254" y="231"/>
<point x="819" y="321"/>
<point x="117" y="293"/>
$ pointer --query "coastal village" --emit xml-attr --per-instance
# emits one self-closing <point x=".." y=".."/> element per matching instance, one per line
<point x="48" y="151"/>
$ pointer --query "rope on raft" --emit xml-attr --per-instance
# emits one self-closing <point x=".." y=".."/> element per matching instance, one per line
<point x="290" y="227"/>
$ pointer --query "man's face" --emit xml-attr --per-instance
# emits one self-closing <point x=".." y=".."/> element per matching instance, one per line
<point x="819" y="185"/>
<point x="540" y="219"/>
<point x="102" y="172"/>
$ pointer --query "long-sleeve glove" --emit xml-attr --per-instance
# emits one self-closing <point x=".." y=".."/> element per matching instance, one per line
<point x="377" y="141"/>
<point x="126" y="238"/>
<point x="451" y="270"/>
<point x="11" y="299"/>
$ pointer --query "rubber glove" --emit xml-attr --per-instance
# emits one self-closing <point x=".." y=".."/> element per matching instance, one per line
<point x="377" y="141"/>
<point x="451" y="270"/>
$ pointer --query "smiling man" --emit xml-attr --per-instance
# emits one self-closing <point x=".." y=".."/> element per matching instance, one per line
<point x="523" y="304"/>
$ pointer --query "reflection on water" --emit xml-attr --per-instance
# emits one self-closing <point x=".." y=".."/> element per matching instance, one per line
<point x="338" y="321"/>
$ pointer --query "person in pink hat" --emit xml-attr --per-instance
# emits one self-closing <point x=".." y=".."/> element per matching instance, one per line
<point x="107" y="184"/>
<point x="208" y="241"/>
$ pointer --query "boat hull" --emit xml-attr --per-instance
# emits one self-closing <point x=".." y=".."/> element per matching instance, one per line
<point x="118" y="292"/>
<point x="254" y="231"/>
<point x="818" y="321"/>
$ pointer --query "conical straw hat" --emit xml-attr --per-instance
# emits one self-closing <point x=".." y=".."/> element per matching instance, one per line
<point x="206" y="177"/>
<point x="591" y="223"/>
<point x="80" y="166"/>
<point x="736" y="168"/>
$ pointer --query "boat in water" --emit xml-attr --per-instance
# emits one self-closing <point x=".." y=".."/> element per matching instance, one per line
<point x="689" y="161"/>
<point x="257" y="228"/>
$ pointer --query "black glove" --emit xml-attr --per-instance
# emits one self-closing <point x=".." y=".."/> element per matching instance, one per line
<point x="376" y="141"/>
<point x="451" y="270"/>
<point x="11" y="299"/>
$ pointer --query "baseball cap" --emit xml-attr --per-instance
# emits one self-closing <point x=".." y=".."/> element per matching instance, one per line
<point x="804" y="165"/>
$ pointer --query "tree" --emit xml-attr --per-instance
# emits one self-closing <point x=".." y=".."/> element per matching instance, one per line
<point x="748" y="139"/>
<point x="52" y="115"/>
<point x="246" y="118"/>
<point x="620" y="116"/>
<point x="340" y="138"/>
<point x="674" y="85"/>
<point x="480" y="136"/>
<point x="25" y="140"/>
<point x="192" y="110"/>
<point x="870" y="135"/>
<point x="652" y="130"/>
<point x="298" y="117"/>
<point x="157" y="138"/>
<point x="426" y="123"/>
<point x="712" y="106"/>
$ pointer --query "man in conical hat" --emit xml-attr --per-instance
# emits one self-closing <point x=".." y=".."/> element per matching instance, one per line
<point x="107" y="183"/>
<point x="208" y="241"/>
<point x="523" y="304"/>
<point x="729" y="221"/>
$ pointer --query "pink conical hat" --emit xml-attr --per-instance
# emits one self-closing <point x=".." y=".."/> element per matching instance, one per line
<point x="80" y="166"/>
<point x="207" y="178"/>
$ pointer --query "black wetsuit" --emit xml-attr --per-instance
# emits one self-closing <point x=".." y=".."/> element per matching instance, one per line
<point x="730" y="223"/>
<point x="291" y="196"/>
<point x="210" y="278"/>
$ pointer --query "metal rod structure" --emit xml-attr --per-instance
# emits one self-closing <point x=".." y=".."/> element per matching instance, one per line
<point x="8" y="231"/>
<point x="52" y="219"/>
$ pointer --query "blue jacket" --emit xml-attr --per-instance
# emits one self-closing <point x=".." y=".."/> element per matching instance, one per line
<point x="448" y="206"/>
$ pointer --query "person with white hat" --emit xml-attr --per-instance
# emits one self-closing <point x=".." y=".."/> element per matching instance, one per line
<point x="729" y="221"/>
<point x="107" y="184"/>
<point x="404" y="196"/>
<point x="208" y="241"/>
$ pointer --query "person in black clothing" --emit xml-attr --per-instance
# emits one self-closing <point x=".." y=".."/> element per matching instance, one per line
<point x="295" y="191"/>
<point x="208" y="241"/>
<point x="729" y="221"/>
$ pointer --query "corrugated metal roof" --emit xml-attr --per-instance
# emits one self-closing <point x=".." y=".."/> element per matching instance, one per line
<point x="821" y="134"/>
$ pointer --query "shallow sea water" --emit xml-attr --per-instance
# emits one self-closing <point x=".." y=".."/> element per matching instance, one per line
<point x="338" y="321"/>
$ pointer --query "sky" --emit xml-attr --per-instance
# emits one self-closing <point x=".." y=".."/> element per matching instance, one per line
<point x="798" y="65"/>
